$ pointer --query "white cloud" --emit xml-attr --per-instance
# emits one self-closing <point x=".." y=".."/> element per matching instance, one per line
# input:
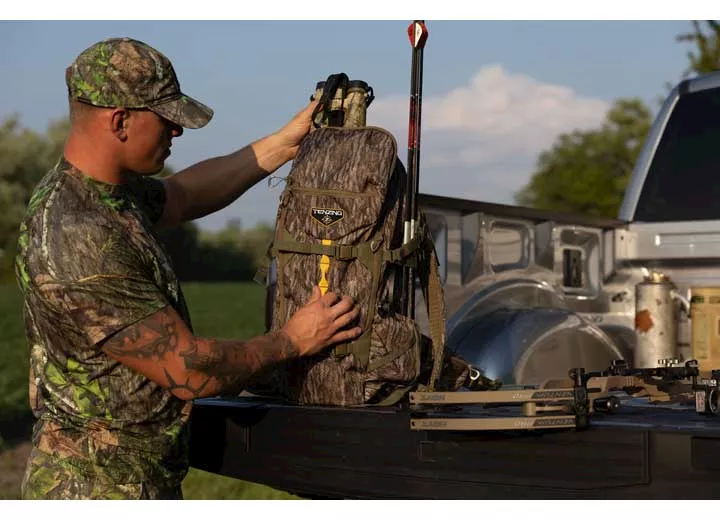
<point x="481" y="140"/>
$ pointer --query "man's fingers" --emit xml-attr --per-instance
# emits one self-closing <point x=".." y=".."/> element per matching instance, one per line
<point x="310" y="107"/>
<point x="345" y="319"/>
<point x="315" y="296"/>
<point x="329" y="298"/>
<point x="340" y="308"/>
<point x="345" y="335"/>
<point x="306" y="112"/>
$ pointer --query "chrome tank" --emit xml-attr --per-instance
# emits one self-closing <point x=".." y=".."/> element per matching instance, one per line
<point x="655" y="322"/>
<point x="522" y="332"/>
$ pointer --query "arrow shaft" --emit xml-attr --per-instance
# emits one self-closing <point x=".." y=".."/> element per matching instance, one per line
<point x="417" y="33"/>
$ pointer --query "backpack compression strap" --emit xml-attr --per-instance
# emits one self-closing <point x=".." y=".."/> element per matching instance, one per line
<point x="369" y="254"/>
<point x="364" y="252"/>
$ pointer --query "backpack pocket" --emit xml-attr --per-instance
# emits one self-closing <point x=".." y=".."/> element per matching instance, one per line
<point x="395" y="359"/>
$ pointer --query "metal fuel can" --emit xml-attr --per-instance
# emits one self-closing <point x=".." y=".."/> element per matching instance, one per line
<point x="348" y="105"/>
<point x="655" y="322"/>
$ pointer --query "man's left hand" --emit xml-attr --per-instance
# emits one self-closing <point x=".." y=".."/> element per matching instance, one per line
<point x="299" y="126"/>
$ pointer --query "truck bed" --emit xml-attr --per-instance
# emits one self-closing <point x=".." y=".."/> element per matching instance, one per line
<point x="467" y="207"/>
<point x="640" y="452"/>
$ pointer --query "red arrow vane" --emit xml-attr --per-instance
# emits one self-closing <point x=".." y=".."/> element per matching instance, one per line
<point x="418" y="33"/>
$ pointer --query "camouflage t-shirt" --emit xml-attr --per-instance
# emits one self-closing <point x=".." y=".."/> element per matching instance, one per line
<point x="89" y="265"/>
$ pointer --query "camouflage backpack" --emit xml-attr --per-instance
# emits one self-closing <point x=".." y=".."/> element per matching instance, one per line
<point x="339" y="225"/>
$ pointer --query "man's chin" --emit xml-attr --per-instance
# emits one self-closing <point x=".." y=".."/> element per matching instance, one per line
<point x="154" y="171"/>
<point x="149" y="171"/>
<point x="159" y="170"/>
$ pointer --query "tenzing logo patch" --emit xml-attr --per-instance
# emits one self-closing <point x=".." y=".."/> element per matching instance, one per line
<point x="327" y="217"/>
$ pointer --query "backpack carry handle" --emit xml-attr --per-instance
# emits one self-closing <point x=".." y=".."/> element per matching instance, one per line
<point x="342" y="102"/>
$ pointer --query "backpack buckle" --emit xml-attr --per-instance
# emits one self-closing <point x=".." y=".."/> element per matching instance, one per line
<point x="344" y="252"/>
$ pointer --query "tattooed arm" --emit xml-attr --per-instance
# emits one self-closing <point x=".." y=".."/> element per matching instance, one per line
<point x="162" y="348"/>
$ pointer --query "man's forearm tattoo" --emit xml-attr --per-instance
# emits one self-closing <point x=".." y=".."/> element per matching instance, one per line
<point x="229" y="364"/>
<point x="213" y="366"/>
<point x="151" y="338"/>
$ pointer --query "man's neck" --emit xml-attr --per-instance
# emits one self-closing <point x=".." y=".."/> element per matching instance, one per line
<point x="92" y="159"/>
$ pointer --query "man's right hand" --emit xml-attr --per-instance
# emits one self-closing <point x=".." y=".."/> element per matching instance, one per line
<point x="322" y="322"/>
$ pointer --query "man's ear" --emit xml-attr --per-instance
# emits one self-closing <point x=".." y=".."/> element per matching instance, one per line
<point x="119" y="123"/>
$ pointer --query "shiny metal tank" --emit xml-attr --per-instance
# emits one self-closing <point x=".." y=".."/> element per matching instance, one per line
<point x="522" y="332"/>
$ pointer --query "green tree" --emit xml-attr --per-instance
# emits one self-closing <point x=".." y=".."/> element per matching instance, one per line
<point x="25" y="156"/>
<point x="587" y="171"/>
<point x="256" y="241"/>
<point x="252" y="243"/>
<point x="706" y="55"/>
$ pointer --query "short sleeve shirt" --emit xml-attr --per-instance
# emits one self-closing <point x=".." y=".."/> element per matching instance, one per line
<point x="89" y="265"/>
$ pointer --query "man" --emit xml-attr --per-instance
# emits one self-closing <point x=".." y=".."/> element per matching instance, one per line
<point x="114" y="361"/>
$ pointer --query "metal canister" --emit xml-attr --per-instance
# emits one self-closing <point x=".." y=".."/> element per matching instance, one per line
<point x="334" y="115"/>
<point x="358" y="99"/>
<point x="705" y="327"/>
<point x="348" y="106"/>
<point x="655" y="322"/>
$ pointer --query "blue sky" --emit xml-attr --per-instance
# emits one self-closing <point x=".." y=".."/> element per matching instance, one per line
<point x="495" y="94"/>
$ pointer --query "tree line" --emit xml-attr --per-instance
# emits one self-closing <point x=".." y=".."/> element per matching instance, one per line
<point x="582" y="172"/>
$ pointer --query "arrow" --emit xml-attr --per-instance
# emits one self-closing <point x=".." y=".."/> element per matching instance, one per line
<point x="418" y="35"/>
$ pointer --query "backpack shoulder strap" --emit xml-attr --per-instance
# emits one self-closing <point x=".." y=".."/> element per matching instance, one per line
<point x="436" y="317"/>
<point x="431" y="284"/>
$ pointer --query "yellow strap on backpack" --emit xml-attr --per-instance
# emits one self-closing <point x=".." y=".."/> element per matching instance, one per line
<point x="324" y="266"/>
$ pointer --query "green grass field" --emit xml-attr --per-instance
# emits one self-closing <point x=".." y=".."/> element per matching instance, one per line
<point x="218" y="310"/>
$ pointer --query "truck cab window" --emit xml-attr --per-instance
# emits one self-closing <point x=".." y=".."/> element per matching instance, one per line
<point x="683" y="182"/>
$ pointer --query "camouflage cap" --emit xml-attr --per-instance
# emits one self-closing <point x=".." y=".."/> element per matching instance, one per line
<point x="122" y="72"/>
